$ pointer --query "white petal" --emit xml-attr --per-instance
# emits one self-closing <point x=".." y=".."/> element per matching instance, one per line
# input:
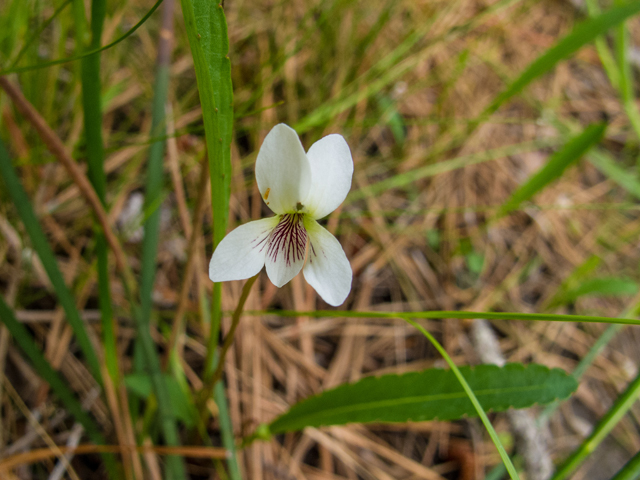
<point x="327" y="270"/>
<point x="242" y="252"/>
<point x="282" y="170"/>
<point x="286" y="249"/>
<point x="331" y="172"/>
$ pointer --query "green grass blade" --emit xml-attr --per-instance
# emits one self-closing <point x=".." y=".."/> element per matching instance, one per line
<point x="40" y="244"/>
<point x="476" y="404"/>
<point x="153" y="193"/>
<point x="440" y="314"/>
<point x="610" y="420"/>
<point x="557" y="164"/>
<point x="389" y="69"/>
<point x="92" y="110"/>
<point x="226" y="429"/>
<point x="59" y="61"/>
<point x="582" y="34"/>
<point x="610" y="168"/>
<point x="26" y="343"/>
<point x="207" y="32"/>
<point x="39" y="31"/>
<point x="606" y="58"/>
<point x="630" y="471"/>
<point x="407" y="178"/>
<point x="625" y="77"/>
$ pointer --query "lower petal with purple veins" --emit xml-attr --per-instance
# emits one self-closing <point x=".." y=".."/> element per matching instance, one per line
<point x="286" y="249"/>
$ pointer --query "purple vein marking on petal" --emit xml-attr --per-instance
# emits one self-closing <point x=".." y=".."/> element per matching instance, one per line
<point x="261" y="242"/>
<point x="313" y="252"/>
<point x="290" y="238"/>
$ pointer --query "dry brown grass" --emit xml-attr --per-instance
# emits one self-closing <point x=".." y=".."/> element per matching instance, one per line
<point x="388" y="237"/>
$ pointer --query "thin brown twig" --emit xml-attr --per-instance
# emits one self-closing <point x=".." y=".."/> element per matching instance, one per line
<point x="46" y="453"/>
<point x="58" y="149"/>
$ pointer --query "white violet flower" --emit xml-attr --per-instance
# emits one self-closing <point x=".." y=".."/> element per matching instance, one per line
<point x="299" y="188"/>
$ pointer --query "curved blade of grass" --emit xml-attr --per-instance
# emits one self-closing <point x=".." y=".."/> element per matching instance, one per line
<point x="428" y="395"/>
<point x="40" y="244"/>
<point x="153" y="193"/>
<point x="606" y="58"/>
<point x="92" y="110"/>
<point x="407" y="178"/>
<point x="630" y="471"/>
<point x="610" y="168"/>
<point x="476" y="404"/>
<point x="390" y="68"/>
<point x="625" y="77"/>
<point x="59" y="61"/>
<point x="39" y="31"/>
<point x="543" y="317"/>
<point x="26" y="343"/>
<point x="610" y="420"/>
<point x="581" y="34"/>
<point x="557" y="164"/>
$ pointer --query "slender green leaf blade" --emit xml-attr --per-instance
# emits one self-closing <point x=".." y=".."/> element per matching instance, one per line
<point x="92" y="109"/>
<point x="59" y="61"/>
<point x="140" y="384"/>
<point x="40" y="244"/>
<point x="615" y="414"/>
<point x="557" y="164"/>
<point x="611" y="169"/>
<point x="207" y="32"/>
<point x="428" y="395"/>
<point x="26" y="343"/>
<point x="631" y="470"/>
<point x="582" y="34"/>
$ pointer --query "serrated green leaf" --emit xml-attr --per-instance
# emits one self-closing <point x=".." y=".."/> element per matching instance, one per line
<point x="428" y="395"/>
<point x="557" y="164"/>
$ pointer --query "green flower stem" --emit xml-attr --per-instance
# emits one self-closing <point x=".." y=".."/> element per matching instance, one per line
<point x="610" y="420"/>
<point x="483" y="416"/>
